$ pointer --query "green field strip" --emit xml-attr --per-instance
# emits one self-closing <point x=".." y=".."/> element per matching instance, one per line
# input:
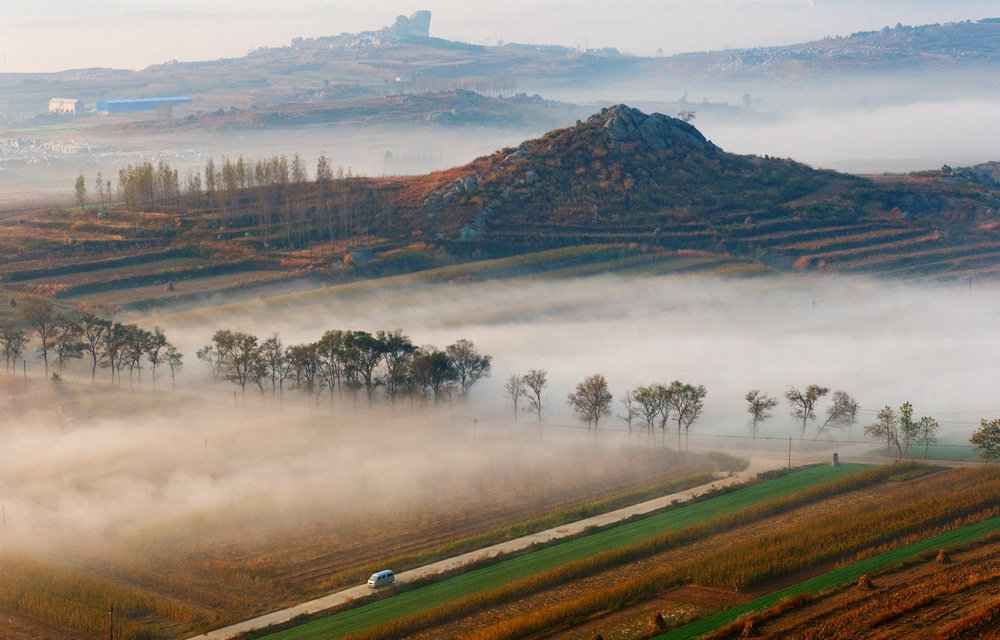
<point x="838" y="577"/>
<point x="488" y="578"/>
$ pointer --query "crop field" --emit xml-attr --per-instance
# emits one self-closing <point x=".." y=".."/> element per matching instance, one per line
<point x="721" y="560"/>
<point x="830" y="580"/>
<point x="469" y="585"/>
<point x="174" y="575"/>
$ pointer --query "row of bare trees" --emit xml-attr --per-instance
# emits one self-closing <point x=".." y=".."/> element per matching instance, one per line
<point x="841" y="412"/>
<point x="271" y="195"/>
<point x="899" y="429"/>
<point x="648" y="407"/>
<point x="143" y="184"/>
<point x="347" y="361"/>
<point x="653" y="406"/>
<point x="66" y="335"/>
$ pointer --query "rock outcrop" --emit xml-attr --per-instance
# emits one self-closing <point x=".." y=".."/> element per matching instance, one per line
<point x="418" y="24"/>
<point x="656" y="131"/>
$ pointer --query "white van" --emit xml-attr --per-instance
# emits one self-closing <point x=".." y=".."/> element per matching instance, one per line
<point x="381" y="579"/>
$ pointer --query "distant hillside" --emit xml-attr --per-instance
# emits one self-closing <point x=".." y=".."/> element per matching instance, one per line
<point x="622" y="191"/>
<point x="360" y="106"/>
<point x="388" y="62"/>
<point x="931" y="47"/>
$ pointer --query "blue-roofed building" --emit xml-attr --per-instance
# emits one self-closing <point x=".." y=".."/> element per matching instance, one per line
<point x="107" y="107"/>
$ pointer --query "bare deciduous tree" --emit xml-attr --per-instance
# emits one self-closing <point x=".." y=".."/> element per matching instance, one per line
<point x="81" y="190"/>
<point x="886" y="428"/>
<point x="630" y="407"/>
<point x="759" y="406"/>
<point x="174" y="360"/>
<point x="804" y="403"/>
<point x="535" y="380"/>
<point x="514" y="389"/>
<point x="986" y="440"/>
<point x="469" y="364"/>
<point x="592" y="400"/>
<point x="927" y="430"/>
<point x="842" y="412"/>
<point x="12" y="341"/>
<point x="651" y="401"/>
<point x="41" y="315"/>
<point x="686" y="402"/>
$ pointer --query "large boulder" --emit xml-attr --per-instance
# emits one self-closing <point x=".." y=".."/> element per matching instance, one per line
<point x="418" y="24"/>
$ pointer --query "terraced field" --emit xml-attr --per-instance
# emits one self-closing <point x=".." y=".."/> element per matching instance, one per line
<point x="615" y="595"/>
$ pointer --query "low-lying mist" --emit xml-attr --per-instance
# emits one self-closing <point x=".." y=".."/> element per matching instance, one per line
<point x="92" y="470"/>
<point x="884" y="343"/>
<point x="86" y="464"/>
<point x="893" y="138"/>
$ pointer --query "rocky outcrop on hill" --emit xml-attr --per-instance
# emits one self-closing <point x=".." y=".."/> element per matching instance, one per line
<point x="617" y="167"/>
<point x="986" y="174"/>
<point x="655" y="131"/>
<point x="418" y="24"/>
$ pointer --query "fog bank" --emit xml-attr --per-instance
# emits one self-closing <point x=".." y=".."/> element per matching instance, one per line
<point x="893" y="138"/>
<point x="883" y="343"/>
<point x="88" y="465"/>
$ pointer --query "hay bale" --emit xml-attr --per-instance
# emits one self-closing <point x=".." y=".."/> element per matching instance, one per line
<point x="657" y="624"/>
<point x="598" y="636"/>
<point x="749" y="631"/>
<point x="942" y="557"/>
<point x="865" y="583"/>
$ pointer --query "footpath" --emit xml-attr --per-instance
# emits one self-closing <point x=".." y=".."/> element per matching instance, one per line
<point x="757" y="465"/>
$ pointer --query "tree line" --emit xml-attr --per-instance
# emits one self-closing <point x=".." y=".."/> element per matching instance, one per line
<point x="268" y="194"/>
<point x="67" y="335"/>
<point x="650" y="408"/>
<point x="347" y="361"/>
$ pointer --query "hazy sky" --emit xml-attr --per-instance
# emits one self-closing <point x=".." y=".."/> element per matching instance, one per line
<point x="51" y="35"/>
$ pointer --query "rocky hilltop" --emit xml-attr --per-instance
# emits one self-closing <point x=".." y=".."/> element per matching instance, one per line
<point x="653" y="184"/>
<point x="654" y="131"/>
<point x="619" y="164"/>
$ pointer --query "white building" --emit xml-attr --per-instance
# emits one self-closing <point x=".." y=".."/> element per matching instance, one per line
<point x="65" y="105"/>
